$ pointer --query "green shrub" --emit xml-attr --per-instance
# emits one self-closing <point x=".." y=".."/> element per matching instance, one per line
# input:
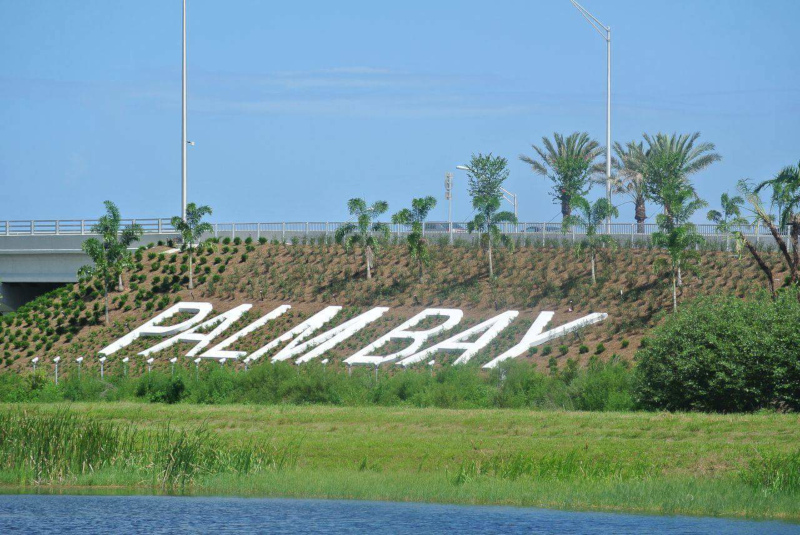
<point x="546" y="350"/>
<point x="583" y="349"/>
<point x="599" y="349"/>
<point x="724" y="354"/>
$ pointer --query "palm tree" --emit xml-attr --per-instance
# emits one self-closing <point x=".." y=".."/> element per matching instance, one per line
<point x="417" y="245"/>
<point x="590" y="216"/>
<point x="669" y="161"/>
<point x="110" y="253"/>
<point x="677" y="235"/>
<point x="569" y="163"/>
<point x="629" y="179"/>
<point x="730" y="217"/>
<point x="364" y="230"/>
<point x="192" y="230"/>
<point x="486" y="175"/>
<point x="786" y="196"/>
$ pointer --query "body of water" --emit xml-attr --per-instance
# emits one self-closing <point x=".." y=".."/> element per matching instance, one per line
<point x="159" y="514"/>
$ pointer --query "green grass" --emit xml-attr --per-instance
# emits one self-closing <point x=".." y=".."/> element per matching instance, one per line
<point x="731" y="465"/>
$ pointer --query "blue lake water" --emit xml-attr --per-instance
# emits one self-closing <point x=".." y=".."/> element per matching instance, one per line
<point x="159" y="514"/>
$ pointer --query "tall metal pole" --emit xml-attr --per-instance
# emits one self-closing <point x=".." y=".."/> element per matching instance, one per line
<point x="601" y="28"/>
<point x="183" y="122"/>
<point x="608" y="124"/>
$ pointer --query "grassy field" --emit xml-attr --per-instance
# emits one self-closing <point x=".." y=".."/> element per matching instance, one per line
<point x="644" y="462"/>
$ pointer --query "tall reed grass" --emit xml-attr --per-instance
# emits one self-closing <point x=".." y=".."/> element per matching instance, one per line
<point x="41" y="448"/>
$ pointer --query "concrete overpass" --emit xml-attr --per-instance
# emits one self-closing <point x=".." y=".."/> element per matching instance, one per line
<point x="38" y="256"/>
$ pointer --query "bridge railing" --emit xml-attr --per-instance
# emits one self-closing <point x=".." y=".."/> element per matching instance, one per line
<point x="634" y="233"/>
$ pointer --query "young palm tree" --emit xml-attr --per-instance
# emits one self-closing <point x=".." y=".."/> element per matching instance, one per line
<point x="730" y="217"/>
<point x="416" y="216"/>
<point x="192" y="230"/>
<point x="365" y="231"/>
<point x="678" y="236"/>
<point x="669" y="161"/>
<point x="590" y="216"/>
<point x="569" y="163"/>
<point x="110" y="252"/>
<point x="486" y="176"/>
<point x="629" y="179"/>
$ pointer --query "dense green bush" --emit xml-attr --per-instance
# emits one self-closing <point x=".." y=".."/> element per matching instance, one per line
<point x="724" y="354"/>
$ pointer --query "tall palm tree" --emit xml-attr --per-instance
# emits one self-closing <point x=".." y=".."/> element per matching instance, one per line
<point x="669" y="161"/>
<point x="629" y="179"/>
<point x="365" y="231"/>
<point x="569" y="163"/>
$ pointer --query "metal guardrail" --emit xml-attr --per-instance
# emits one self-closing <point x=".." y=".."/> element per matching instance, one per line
<point x="286" y="230"/>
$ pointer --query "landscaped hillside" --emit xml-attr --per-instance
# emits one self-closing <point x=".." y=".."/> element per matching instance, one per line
<point x="70" y="322"/>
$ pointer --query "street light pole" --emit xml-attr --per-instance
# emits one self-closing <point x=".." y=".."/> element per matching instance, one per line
<point x="448" y="194"/>
<point x="184" y="142"/>
<point x="605" y="33"/>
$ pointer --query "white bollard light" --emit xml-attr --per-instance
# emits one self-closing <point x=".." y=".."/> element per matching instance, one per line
<point x="34" y="361"/>
<point x="172" y="361"/>
<point x="102" y="367"/>
<point x="56" y="361"/>
<point x="125" y="366"/>
<point x="150" y="364"/>
<point x="197" y="368"/>
<point x="431" y="364"/>
<point x="79" y="360"/>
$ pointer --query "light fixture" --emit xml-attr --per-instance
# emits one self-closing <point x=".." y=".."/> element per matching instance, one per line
<point x="125" y="367"/>
<point x="34" y="361"/>
<point x="172" y="361"/>
<point x="102" y="365"/>
<point x="197" y="367"/>
<point x="150" y="364"/>
<point x="79" y="360"/>
<point x="56" y="361"/>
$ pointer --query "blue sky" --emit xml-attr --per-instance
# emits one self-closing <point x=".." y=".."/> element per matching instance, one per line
<point x="296" y="107"/>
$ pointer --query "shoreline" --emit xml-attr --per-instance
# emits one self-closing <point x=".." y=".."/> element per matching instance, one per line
<point x="636" y="463"/>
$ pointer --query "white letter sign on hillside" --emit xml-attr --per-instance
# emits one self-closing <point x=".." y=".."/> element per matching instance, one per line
<point x="535" y="336"/>
<point x="330" y="339"/>
<point x="218" y="351"/>
<point x="302" y="347"/>
<point x="298" y="333"/>
<point x="490" y="329"/>
<point x="152" y="327"/>
<point x="220" y="324"/>
<point x="402" y="332"/>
